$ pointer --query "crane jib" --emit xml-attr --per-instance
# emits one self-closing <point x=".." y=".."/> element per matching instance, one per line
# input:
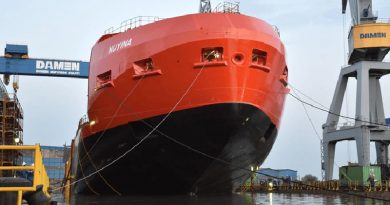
<point x="44" y="67"/>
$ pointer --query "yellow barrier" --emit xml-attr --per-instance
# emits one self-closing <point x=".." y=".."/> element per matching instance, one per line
<point x="66" y="190"/>
<point x="40" y="175"/>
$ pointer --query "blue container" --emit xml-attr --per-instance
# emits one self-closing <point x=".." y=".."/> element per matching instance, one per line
<point x="388" y="121"/>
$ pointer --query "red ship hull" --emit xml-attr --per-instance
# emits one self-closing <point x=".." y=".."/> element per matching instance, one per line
<point x="221" y="78"/>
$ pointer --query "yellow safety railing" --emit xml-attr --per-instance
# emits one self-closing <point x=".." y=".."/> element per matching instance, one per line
<point x="40" y="176"/>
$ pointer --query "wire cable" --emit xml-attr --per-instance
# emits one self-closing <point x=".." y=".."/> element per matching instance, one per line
<point x="308" y="116"/>
<point x="95" y="167"/>
<point x="308" y="97"/>
<point x="114" y="115"/>
<point x="332" y="113"/>
<point x="146" y="136"/>
<point x="248" y="170"/>
<point x="101" y="135"/>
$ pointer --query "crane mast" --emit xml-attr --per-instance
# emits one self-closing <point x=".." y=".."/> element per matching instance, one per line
<point x="361" y="11"/>
<point x="369" y="43"/>
<point x="205" y="6"/>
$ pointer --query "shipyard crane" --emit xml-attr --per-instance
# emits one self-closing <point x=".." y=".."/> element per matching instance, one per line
<point x="16" y="62"/>
<point x="369" y="43"/>
<point x="205" y="6"/>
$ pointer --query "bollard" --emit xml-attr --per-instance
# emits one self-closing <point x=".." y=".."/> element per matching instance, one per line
<point x="349" y="185"/>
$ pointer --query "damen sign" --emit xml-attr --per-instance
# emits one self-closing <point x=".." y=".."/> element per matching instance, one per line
<point x="58" y="67"/>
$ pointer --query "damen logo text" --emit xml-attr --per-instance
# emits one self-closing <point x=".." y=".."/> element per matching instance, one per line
<point x="372" y="35"/>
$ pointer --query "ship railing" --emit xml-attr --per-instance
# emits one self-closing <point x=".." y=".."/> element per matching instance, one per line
<point x="345" y="125"/>
<point x="383" y="20"/>
<point x="276" y="29"/>
<point x="133" y="23"/>
<point x="379" y="20"/>
<point x="83" y="120"/>
<point x="228" y="7"/>
<point x="349" y="124"/>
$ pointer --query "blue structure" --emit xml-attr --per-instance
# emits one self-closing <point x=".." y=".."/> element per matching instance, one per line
<point x="388" y="121"/>
<point x="54" y="159"/>
<point x="16" y="49"/>
<point x="264" y="174"/>
<point x="17" y="62"/>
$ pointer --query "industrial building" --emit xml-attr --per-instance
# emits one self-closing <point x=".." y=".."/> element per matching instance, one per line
<point x="268" y="173"/>
<point x="54" y="159"/>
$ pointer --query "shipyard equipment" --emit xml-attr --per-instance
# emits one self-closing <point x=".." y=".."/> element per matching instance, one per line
<point x="369" y="42"/>
<point x="35" y="190"/>
<point x="16" y="61"/>
<point x="359" y="174"/>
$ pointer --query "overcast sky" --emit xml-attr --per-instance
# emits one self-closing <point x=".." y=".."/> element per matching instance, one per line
<point x="312" y="31"/>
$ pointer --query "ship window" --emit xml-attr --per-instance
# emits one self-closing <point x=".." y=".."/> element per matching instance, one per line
<point x="259" y="57"/>
<point x="212" y="54"/>
<point x="103" y="78"/>
<point x="143" y="66"/>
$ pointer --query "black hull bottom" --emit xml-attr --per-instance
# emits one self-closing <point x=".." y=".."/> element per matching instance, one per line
<point x="240" y="134"/>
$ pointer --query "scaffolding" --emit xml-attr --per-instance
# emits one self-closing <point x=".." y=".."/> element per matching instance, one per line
<point x="11" y="129"/>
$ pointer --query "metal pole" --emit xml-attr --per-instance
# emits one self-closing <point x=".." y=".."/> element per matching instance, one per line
<point x="19" y="202"/>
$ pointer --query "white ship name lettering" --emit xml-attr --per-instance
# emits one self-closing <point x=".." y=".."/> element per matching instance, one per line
<point x="119" y="46"/>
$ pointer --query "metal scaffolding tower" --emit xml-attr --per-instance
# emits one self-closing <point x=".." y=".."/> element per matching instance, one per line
<point x="369" y="43"/>
<point x="11" y="129"/>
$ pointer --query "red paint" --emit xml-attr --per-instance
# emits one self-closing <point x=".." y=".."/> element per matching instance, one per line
<point x="175" y="48"/>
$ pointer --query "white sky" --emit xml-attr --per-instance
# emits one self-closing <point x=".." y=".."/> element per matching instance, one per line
<point x="312" y="31"/>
